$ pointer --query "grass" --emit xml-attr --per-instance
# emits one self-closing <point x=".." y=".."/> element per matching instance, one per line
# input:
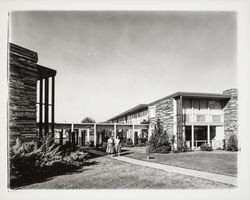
<point x="107" y="173"/>
<point x="220" y="162"/>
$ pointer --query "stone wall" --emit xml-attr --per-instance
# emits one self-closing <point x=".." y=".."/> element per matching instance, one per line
<point x="231" y="114"/>
<point x="22" y="92"/>
<point x="165" y="112"/>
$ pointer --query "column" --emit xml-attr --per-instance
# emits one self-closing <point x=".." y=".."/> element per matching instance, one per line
<point x="114" y="130"/>
<point x="41" y="108"/>
<point x="208" y="134"/>
<point x="95" y="135"/>
<point x="149" y="133"/>
<point x="46" y="121"/>
<point x="192" y="137"/>
<point x="133" y="133"/>
<point x="53" y="106"/>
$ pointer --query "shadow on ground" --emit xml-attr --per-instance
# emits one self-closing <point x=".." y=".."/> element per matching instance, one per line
<point x="40" y="179"/>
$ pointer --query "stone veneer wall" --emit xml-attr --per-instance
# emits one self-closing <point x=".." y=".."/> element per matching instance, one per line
<point x="231" y="114"/>
<point x="23" y="74"/>
<point x="165" y="112"/>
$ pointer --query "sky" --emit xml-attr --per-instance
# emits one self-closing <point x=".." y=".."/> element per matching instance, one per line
<point x="110" y="61"/>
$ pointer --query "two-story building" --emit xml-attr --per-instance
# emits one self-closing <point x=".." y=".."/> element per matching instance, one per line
<point x="195" y="118"/>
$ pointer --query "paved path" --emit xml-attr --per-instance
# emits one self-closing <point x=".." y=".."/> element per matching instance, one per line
<point x="190" y="172"/>
<point x="200" y="174"/>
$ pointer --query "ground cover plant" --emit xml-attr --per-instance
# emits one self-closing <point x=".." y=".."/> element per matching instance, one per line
<point x="30" y="161"/>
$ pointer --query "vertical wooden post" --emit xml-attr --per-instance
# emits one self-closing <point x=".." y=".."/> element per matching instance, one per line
<point x="46" y="129"/>
<point x="192" y="136"/>
<point x="95" y="135"/>
<point x="53" y="106"/>
<point x="41" y="108"/>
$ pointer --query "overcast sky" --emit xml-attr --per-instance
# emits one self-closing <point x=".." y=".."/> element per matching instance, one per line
<point x="108" y="62"/>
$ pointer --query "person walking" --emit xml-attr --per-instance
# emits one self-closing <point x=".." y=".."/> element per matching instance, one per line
<point x="110" y="146"/>
<point x="117" y="146"/>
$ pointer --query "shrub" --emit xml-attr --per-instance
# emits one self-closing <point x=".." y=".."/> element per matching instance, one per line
<point x="142" y="142"/>
<point x="232" y="143"/>
<point x="159" y="141"/>
<point x="36" y="160"/>
<point x="128" y="143"/>
<point x="206" y="147"/>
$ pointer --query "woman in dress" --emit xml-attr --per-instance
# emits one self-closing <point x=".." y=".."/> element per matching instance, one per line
<point x="117" y="146"/>
<point x="110" y="146"/>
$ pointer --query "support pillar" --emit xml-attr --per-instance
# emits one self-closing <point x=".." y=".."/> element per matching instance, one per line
<point x="95" y="135"/>
<point x="208" y="134"/>
<point x="41" y="108"/>
<point x="114" y="130"/>
<point x="149" y="133"/>
<point x="46" y="121"/>
<point x="133" y="134"/>
<point x="192" y="137"/>
<point x="53" y="106"/>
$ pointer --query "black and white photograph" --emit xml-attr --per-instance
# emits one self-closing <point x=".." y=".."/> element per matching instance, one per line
<point x="123" y="99"/>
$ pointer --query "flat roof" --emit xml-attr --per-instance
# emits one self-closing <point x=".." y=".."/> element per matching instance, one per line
<point x="130" y="111"/>
<point x="194" y="94"/>
<point x="174" y="95"/>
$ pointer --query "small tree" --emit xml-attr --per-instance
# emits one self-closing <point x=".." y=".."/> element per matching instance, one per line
<point x="88" y="120"/>
<point x="159" y="141"/>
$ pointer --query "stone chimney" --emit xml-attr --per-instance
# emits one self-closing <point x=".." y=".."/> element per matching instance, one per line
<point x="231" y="113"/>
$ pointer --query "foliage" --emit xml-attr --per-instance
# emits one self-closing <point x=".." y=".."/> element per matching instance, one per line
<point x="88" y="120"/>
<point x="36" y="160"/>
<point x="159" y="141"/>
<point x="128" y="143"/>
<point x="206" y="147"/>
<point x="142" y="142"/>
<point x="232" y="143"/>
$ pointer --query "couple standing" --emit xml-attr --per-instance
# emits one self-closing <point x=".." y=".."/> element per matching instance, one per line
<point x="113" y="146"/>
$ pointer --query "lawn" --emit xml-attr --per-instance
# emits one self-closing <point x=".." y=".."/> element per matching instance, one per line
<point x="220" y="162"/>
<point x="107" y="173"/>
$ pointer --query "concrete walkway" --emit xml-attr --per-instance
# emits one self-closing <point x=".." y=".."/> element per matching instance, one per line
<point x="200" y="174"/>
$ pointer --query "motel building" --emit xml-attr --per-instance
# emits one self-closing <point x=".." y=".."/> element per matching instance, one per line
<point x="195" y="117"/>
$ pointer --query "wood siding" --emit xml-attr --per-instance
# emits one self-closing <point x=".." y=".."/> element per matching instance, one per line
<point x="23" y="76"/>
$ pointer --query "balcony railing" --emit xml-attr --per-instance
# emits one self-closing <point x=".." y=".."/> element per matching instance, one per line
<point x="203" y="118"/>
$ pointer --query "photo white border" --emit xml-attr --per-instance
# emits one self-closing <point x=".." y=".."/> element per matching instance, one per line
<point x="243" y="58"/>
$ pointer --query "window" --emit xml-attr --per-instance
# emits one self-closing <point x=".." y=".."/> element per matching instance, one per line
<point x="152" y="111"/>
<point x="215" y="105"/>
